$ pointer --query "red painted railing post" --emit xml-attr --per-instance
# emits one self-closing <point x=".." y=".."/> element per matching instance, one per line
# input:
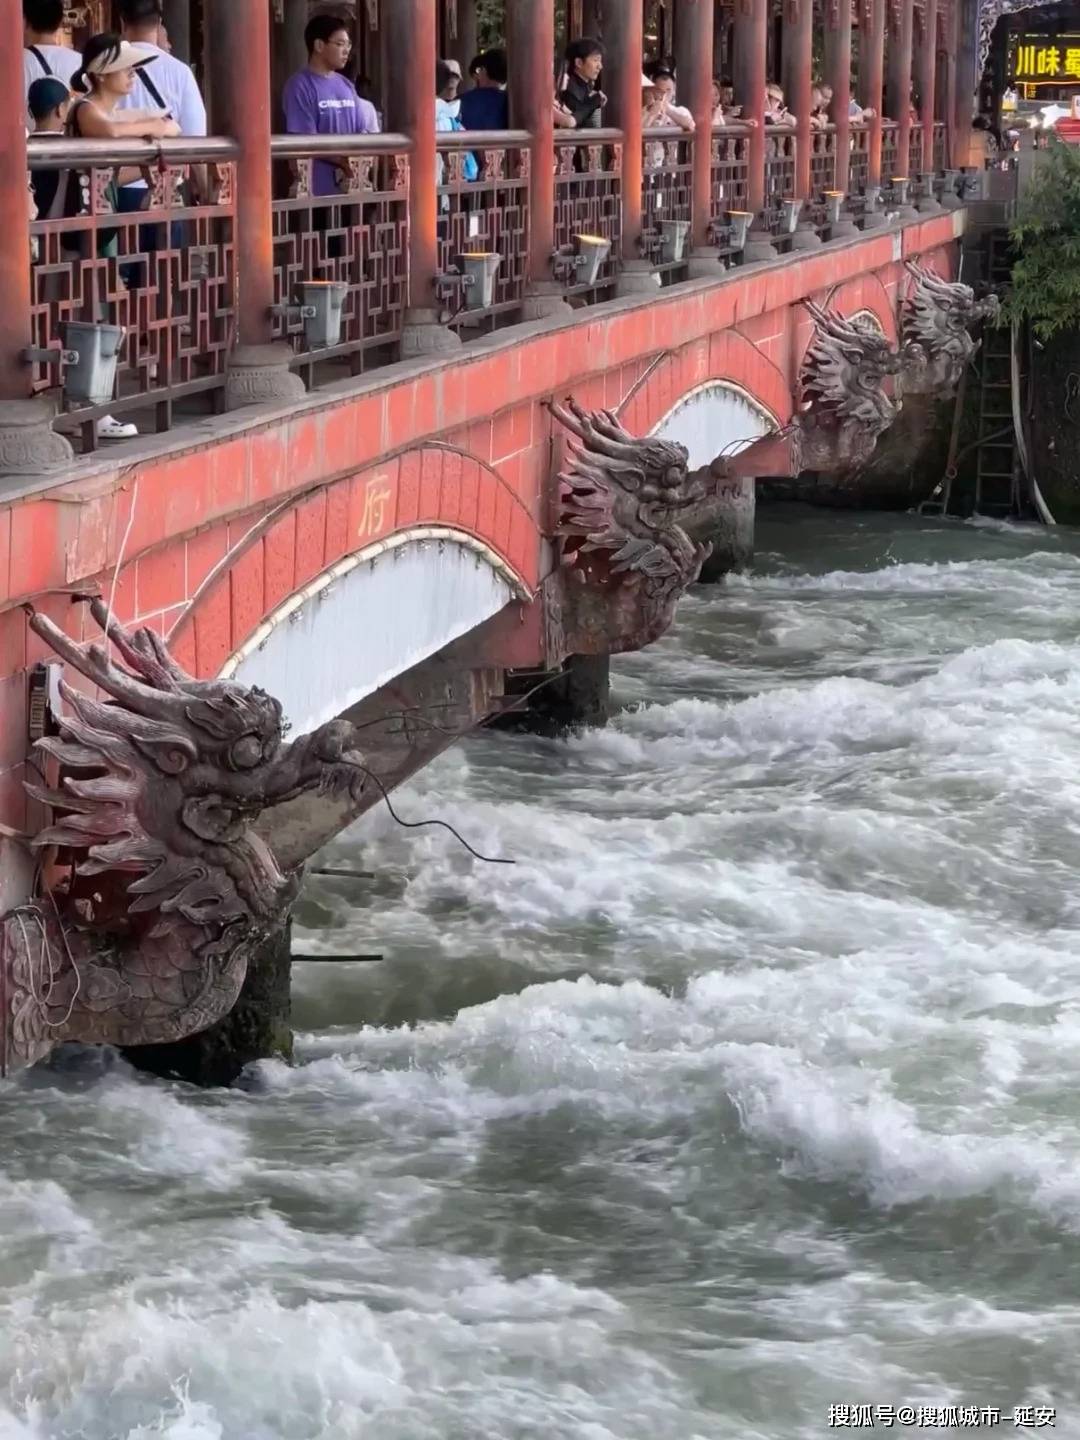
<point x="530" y="28"/>
<point x="928" y="83"/>
<point x="900" y="39"/>
<point x="871" y="83"/>
<point x="410" y="49"/>
<point x="797" y="81"/>
<point x="693" y="63"/>
<point x="15" y="326"/>
<point x="751" y="36"/>
<point x="624" y="40"/>
<point x="27" y="443"/>
<point x="258" y="369"/>
<point x="838" y="75"/>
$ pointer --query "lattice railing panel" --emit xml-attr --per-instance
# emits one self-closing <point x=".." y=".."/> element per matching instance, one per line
<point x="588" y="200"/>
<point x="165" y="274"/>
<point x="488" y="214"/>
<point x="359" y="236"/>
<point x="859" y="172"/>
<point x="730" y="173"/>
<point x="667" y="191"/>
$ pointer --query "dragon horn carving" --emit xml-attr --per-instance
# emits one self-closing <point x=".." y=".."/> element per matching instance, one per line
<point x="846" y="406"/>
<point x="938" y="317"/>
<point x="620" y="501"/>
<point x="159" y="788"/>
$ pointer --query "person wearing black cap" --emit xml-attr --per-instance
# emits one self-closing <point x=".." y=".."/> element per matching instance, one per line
<point x="45" y="56"/>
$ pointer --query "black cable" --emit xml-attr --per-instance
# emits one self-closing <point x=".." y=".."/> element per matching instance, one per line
<point x="421" y="824"/>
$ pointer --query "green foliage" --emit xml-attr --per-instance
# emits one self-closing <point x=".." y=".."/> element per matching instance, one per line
<point x="489" y="23"/>
<point x="1046" y="234"/>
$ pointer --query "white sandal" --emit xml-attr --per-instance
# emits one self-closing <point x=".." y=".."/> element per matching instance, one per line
<point x="109" y="428"/>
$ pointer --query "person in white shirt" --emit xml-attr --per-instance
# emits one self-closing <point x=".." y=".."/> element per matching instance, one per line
<point x="44" y="52"/>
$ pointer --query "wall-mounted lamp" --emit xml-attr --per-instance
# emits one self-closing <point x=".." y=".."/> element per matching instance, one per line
<point x="91" y="354"/>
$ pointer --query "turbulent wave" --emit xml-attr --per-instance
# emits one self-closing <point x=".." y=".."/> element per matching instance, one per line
<point x="750" y="1089"/>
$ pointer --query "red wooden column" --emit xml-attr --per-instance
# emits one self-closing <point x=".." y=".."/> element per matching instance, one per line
<point x="409" y="42"/>
<point x="901" y="25"/>
<point x="258" y="369"/>
<point x="928" y="83"/>
<point x="871" y="81"/>
<point x="693" y="64"/>
<point x="751" y="35"/>
<point x="797" y="82"/>
<point x="838" y="75"/>
<point x="15" y="330"/>
<point x="624" y="39"/>
<point x="27" y="443"/>
<point x="530" y="34"/>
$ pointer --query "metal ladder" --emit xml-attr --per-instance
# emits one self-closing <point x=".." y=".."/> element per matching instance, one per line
<point x="997" y="488"/>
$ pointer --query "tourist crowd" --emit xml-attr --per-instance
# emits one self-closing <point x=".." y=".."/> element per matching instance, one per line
<point x="128" y="85"/>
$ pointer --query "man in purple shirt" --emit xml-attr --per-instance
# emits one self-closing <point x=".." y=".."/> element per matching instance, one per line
<point x="320" y="101"/>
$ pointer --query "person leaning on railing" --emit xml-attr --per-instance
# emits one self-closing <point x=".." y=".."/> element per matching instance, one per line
<point x="580" y="94"/>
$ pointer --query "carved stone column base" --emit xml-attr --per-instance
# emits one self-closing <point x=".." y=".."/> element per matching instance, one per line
<point x="704" y="264"/>
<point x="759" y="246"/>
<point x="637" y="277"/>
<point x="28" y="443"/>
<point x="874" y="220"/>
<point x="927" y="205"/>
<point x="422" y="335"/>
<point x="907" y="214"/>
<point x="806" y="238"/>
<point x="260" y="375"/>
<point x="544" y="300"/>
<point x="844" y="229"/>
<point x="950" y="201"/>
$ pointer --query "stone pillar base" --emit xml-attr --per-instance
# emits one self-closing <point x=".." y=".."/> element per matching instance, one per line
<point x="844" y="229"/>
<point x="874" y="220"/>
<point x="759" y="246"/>
<point x="806" y="238"/>
<point x="422" y="335"/>
<point x="575" y="696"/>
<point x="950" y="201"/>
<point x="907" y="214"/>
<point x="544" y="300"/>
<point x="257" y="1028"/>
<point x="927" y="205"/>
<point x="28" y="443"/>
<point x="637" y="277"/>
<point x="704" y="264"/>
<point x="260" y="375"/>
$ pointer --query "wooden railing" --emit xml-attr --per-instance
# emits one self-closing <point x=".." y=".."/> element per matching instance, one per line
<point x="859" y="169"/>
<point x="357" y="234"/>
<point x="588" y="201"/>
<point x="166" y="272"/>
<point x="822" y="162"/>
<point x="667" y="194"/>
<point x="889" y="152"/>
<point x="483" y="207"/>
<point x="163" y="272"/>
<point x="780" y="146"/>
<point x="730" y="171"/>
<point x="914" y="159"/>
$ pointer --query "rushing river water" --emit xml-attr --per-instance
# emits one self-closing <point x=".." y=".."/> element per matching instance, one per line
<point x="751" y="1089"/>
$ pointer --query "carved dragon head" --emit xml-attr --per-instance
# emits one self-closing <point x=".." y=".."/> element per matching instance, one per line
<point x="938" y="316"/>
<point x="620" y="502"/>
<point x="844" y="372"/>
<point x="161" y="784"/>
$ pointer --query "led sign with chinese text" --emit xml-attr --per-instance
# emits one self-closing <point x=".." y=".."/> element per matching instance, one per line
<point x="1047" y="60"/>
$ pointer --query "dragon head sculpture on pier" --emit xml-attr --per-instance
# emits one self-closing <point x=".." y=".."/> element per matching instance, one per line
<point x="168" y="885"/>
<point x="845" y="404"/>
<point x="620" y="503"/>
<point x="938" y="317"/>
